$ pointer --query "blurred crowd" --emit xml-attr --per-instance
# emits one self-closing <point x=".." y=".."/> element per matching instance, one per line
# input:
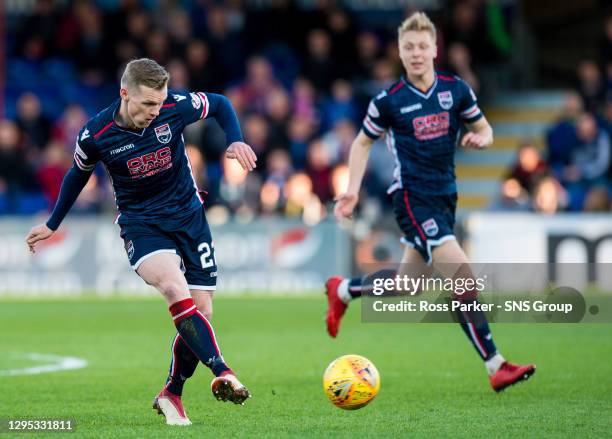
<point x="300" y="80"/>
<point x="574" y="172"/>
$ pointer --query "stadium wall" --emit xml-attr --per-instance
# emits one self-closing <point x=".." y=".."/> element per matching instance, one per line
<point x="281" y="257"/>
<point x="87" y="257"/>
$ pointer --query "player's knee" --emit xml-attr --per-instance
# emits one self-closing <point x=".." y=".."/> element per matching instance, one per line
<point x="205" y="307"/>
<point x="172" y="289"/>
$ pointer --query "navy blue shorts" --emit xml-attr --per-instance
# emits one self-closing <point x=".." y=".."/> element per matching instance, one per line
<point x="188" y="236"/>
<point x="426" y="220"/>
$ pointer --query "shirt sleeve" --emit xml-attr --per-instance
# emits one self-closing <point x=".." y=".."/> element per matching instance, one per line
<point x="201" y="105"/>
<point x="376" y="122"/>
<point x="468" y="108"/>
<point x="192" y="106"/>
<point x="76" y="178"/>
<point x="85" y="154"/>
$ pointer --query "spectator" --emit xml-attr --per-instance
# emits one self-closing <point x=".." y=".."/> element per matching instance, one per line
<point x="16" y="174"/>
<point x="298" y="193"/>
<point x="278" y="112"/>
<point x="300" y="131"/>
<point x="591" y="156"/>
<point x="459" y="62"/>
<point x="258" y="84"/>
<point x="50" y="173"/>
<point x="179" y="78"/>
<point x="319" y="170"/>
<point x="590" y="86"/>
<point x="549" y="197"/>
<point x="257" y="134"/>
<point x="529" y="168"/>
<point x="340" y="139"/>
<point x="513" y="196"/>
<point x="203" y="74"/>
<point x="340" y="105"/>
<point x="91" y="51"/>
<point x="590" y="160"/>
<point x="179" y="30"/>
<point x="278" y="167"/>
<point x="304" y="99"/>
<point x="67" y="127"/>
<point x="138" y="26"/>
<point x="319" y="65"/>
<point x="597" y="200"/>
<point x="37" y="33"/>
<point x="562" y="135"/>
<point x="384" y="74"/>
<point x="368" y="52"/>
<point x="157" y="46"/>
<point x="342" y="34"/>
<point x="225" y="43"/>
<point x="31" y="121"/>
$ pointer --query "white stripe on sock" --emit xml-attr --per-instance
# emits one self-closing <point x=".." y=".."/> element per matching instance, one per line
<point x="343" y="291"/>
<point x="494" y="363"/>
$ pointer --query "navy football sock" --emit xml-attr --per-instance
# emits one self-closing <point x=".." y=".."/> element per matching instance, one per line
<point x="198" y="335"/>
<point x="476" y="327"/>
<point x="355" y="287"/>
<point x="183" y="365"/>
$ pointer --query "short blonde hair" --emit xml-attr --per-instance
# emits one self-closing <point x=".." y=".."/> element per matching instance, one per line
<point x="419" y="21"/>
<point x="144" y="71"/>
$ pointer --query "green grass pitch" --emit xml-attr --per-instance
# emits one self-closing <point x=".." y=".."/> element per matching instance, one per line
<point x="433" y="383"/>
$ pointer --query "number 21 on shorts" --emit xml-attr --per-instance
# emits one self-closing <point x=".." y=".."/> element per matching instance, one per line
<point x="207" y="258"/>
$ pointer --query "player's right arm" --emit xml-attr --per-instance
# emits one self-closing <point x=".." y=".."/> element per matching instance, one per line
<point x="358" y="160"/>
<point x="72" y="185"/>
<point x="374" y="125"/>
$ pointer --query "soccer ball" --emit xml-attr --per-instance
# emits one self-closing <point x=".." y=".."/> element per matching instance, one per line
<point x="351" y="381"/>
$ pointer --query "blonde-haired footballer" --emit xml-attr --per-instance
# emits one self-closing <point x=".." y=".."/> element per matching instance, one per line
<point x="422" y="114"/>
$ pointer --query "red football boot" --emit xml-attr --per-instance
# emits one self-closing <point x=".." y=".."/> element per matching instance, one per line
<point x="335" y="306"/>
<point x="509" y="374"/>
<point x="171" y="406"/>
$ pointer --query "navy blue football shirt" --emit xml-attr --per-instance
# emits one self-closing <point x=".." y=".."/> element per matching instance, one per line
<point x="422" y="129"/>
<point x="149" y="168"/>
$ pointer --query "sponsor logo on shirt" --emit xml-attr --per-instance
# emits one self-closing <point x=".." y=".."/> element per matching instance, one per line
<point x="150" y="164"/>
<point x="122" y="149"/>
<point x="431" y="126"/>
<point x="410" y="108"/>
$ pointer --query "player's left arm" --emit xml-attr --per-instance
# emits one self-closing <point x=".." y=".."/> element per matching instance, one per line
<point x="479" y="136"/>
<point x="199" y="105"/>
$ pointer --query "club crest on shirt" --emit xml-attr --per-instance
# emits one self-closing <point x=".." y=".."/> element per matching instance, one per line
<point x="445" y="98"/>
<point x="163" y="133"/>
<point x="430" y="227"/>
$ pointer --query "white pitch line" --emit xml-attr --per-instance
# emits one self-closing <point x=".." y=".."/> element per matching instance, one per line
<point x="57" y="364"/>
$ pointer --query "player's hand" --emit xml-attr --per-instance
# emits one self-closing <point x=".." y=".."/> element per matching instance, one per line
<point x="38" y="233"/>
<point x="345" y="204"/>
<point x="243" y="153"/>
<point x="474" y="140"/>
